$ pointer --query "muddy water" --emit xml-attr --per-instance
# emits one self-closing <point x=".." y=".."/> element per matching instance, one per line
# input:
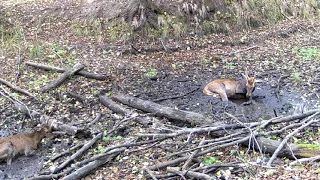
<point x="265" y="104"/>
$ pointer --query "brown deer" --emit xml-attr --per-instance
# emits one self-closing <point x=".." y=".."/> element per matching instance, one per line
<point x="22" y="144"/>
<point x="229" y="88"/>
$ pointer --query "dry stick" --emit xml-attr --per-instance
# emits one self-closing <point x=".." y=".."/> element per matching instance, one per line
<point x="285" y="140"/>
<point x="53" y="176"/>
<point x="76" y="96"/>
<point x="191" y="174"/>
<point x="78" y="153"/>
<point x="61" y="70"/>
<point x="65" y="152"/>
<point x="67" y="74"/>
<point x="99" y="159"/>
<point x="179" y="160"/>
<point x="107" y="152"/>
<point x="203" y="146"/>
<point x="242" y="50"/>
<point x="186" y="164"/>
<point x="175" y="97"/>
<point x="95" y="119"/>
<point x="251" y="134"/>
<point x="83" y="171"/>
<point x="19" y="64"/>
<point x="288" y="118"/>
<point x="16" y="88"/>
<point x="311" y="159"/>
<point x="150" y="173"/>
<point x="19" y="105"/>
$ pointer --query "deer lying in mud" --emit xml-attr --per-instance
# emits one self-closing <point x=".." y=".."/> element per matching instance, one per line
<point x="229" y="88"/>
<point x="22" y="144"/>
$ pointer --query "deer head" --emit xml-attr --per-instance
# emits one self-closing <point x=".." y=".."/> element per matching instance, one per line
<point x="250" y="83"/>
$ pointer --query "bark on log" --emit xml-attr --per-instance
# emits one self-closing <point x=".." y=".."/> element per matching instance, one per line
<point x="162" y="111"/>
<point x="61" y="70"/>
<point x="63" y="77"/>
<point x="105" y="100"/>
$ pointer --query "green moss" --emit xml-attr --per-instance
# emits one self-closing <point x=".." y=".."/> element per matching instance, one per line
<point x="310" y="146"/>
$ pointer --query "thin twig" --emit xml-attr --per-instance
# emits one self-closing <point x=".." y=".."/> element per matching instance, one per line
<point x="242" y="50"/>
<point x="19" y="64"/>
<point x="186" y="164"/>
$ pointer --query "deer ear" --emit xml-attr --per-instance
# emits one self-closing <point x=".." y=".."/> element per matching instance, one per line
<point x="245" y="77"/>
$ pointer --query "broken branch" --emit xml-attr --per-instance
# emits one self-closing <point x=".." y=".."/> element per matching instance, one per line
<point x="61" y="70"/>
<point x="63" y="77"/>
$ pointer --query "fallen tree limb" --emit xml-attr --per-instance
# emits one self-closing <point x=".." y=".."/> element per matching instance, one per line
<point x="162" y="111"/>
<point x="103" y="155"/>
<point x="191" y="174"/>
<point x="16" y="88"/>
<point x="83" y="171"/>
<point x="95" y="119"/>
<point x="65" y="152"/>
<point x="67" y="74"/>
<point x="105" y="100"/>
<point x="61" y="70"/>
<point x="150" y="173"/>
<point x="78" y="153"/>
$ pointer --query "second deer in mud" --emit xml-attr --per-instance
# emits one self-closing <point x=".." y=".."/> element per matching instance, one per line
<point x="229" y="88"/>
<point x="22" y="144"/>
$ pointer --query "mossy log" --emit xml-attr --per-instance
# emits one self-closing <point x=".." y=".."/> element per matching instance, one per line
<point x="290" y="151"/>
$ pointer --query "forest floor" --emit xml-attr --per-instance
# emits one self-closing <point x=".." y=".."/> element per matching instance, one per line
<point x="284" y="56"/>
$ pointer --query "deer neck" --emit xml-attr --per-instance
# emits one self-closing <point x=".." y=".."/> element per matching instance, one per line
<point x="37" y="136"/>
<point x="241" y="88"/>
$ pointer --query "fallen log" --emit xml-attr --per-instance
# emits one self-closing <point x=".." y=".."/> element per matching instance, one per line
<point x="162" y="111"/>
<point x="63" y="77"/>
<point x="61" y="70"/>
<point x="105" y="100"/>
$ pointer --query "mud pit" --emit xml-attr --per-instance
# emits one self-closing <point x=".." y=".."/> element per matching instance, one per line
<point x="186" y="94"/>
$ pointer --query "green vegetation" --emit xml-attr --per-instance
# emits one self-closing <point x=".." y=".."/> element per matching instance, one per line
<point x="296" y="77"/>
<point x="309" y="53"/>
<point x="210" y="160"/>
<point x="39" y="81"/>
<point x="152" y="73"/>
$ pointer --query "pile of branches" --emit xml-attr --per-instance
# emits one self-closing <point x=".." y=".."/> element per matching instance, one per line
<point x="185" y="159"/>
